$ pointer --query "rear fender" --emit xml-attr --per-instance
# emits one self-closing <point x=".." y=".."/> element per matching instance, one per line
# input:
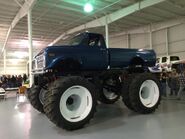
<point x="137" y="61"/>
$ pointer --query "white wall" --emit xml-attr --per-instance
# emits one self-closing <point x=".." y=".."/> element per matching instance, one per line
<point x="118" y="42"/>
<point x="159" y="42"/>
<point x="140" y="41"/>
<point x="13" y="69"/>
<point x="177" y="40"/>
<point x="140" y="38"/>
<point x="17" y="69"/>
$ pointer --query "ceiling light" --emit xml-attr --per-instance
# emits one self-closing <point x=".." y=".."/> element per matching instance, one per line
<point x="88" y="7"/>
<point x="20" y="54"/>
<point x="14" y="61"/>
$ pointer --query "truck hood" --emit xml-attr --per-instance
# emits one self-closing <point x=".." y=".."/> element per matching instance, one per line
<point x="54" y="48"/>
<point x="58" y="47"/>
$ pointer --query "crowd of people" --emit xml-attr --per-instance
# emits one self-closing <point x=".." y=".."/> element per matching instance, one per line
<point x="11" y="81"/>
<point x="175" y="80"/>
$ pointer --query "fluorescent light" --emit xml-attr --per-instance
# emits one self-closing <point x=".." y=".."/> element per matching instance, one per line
<point x="14" y="61"/>
<point x="88" y="7"/>
<point x="20" y="54"/>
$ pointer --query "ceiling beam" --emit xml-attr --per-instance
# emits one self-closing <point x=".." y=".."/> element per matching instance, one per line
<point x="111" y="17"/>
<point x="21" y="13"/>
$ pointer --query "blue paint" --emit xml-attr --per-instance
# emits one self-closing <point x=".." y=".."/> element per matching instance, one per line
<point x="96" y="56"/>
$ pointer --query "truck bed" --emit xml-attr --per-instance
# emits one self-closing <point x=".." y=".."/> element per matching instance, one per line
<point x="121" y="57"/>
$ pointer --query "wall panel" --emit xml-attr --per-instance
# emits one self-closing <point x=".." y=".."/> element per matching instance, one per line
<point x="140" y="41"/>
<point x="176" y="41"/>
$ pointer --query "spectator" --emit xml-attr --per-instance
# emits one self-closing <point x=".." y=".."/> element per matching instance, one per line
<point x="169" y="81"/>
<point x="174" y="83"/>
<point x="9" y="84"/>
<point x="163" y="78"/>
<point x="24" y="78"/>
<point x="4" y="79"/>
<point x="13" y="81"/>
<point x="1" y="83"/>
<point x="182" y="82"/>
<point x="19" y="81"/>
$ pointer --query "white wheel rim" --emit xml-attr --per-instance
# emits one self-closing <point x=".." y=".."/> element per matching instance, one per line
<point x="41" y="96"/>
<point x="149" y="93"/>
<point x="76" y="103"/>
<point x="109" y="95"/>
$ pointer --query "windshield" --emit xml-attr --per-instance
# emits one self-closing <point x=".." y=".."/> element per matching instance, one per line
<point x="76" y="40"/>
<point x="174" y="58"/>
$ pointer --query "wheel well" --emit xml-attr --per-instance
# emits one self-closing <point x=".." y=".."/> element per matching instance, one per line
<point x="136" y="65"/>
<point x="68" y="65"/>
<point x="137" y="61"/>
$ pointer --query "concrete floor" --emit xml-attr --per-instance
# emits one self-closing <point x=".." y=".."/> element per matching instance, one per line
<point x="18" y="120"/>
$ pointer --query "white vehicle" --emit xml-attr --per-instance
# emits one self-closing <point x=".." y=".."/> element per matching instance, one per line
<point x="166" y="62"/>
<point x="179" y="65"/>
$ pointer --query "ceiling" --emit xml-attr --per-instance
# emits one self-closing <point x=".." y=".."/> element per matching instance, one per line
<point x="51" y="18"/>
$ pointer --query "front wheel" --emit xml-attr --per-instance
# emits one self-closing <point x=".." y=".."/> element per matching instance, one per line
<point x="71" y="103"/>
<point x="36" y="97"/>
<point x="125" y="91"/>
<point x="144" y="93"/>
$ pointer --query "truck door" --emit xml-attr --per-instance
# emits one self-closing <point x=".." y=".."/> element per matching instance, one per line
<point x="95" y="53"/>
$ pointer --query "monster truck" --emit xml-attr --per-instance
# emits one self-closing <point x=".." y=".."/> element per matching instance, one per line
<point x="69" y="80"/>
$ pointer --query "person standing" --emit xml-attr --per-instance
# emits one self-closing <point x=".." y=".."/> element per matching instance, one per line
<point x="24" y="78"/>
<point x="163" y="82"/>
<point x="13" y="80"/>
<point x="174" y="83"/>
<point x="181" y="81"/>
<point x="19" y="80"/>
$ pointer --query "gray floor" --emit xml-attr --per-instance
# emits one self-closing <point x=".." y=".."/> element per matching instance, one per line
<point x="18" y="120"/>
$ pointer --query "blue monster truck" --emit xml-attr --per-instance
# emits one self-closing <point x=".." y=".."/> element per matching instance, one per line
<point x="69" y="80"/>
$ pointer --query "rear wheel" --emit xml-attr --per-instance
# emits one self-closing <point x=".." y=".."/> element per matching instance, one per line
<point x="108" y="97"/>
<point x="144" y="93"/>
<point x="71" y="103"/>
<point x="110" y="92"/>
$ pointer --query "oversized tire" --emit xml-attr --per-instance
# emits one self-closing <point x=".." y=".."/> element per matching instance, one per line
<point x="144" y="93"/>
<point x="108" y="97"/>
<point x="71" y="102"/>
<point x="125" y="92"/>
<point x="35" y="96"/>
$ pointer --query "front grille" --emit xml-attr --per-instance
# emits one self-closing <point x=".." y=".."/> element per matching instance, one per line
<point x="38" y="62"/>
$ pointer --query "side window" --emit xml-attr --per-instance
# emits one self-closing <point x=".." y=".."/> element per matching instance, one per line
<point x="99" y="43"/>
<point x="94" y="41"/>
<point x="164" y="59"/>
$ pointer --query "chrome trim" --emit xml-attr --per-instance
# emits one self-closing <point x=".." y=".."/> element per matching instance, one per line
<point x="38" y="64"/>
<point x="38" y="71"/>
